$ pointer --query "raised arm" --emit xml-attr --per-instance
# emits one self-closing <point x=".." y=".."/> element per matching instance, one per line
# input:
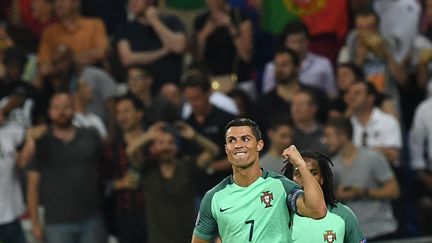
<point x="198" y="240"/>
<point x="312" y="204"/>
<point x="134" y="150"/>
<point x="210" y="149"/>
<point x="129" y="57"/>
<point x="175" y="41"/>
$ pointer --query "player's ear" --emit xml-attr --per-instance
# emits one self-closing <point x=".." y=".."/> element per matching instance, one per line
<point x="260" y="145"/>
<point x="226" y="151"/>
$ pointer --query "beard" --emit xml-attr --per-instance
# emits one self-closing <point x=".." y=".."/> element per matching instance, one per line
<point x="62" y="122"/>
<point x="281" y="79"/>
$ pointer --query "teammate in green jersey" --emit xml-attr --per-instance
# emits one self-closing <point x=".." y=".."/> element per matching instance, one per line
<point x="340" y="223"/>
<point x="254" y="205"/>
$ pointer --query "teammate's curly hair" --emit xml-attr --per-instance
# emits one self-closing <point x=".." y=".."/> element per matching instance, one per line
<point x="324" y="163"/>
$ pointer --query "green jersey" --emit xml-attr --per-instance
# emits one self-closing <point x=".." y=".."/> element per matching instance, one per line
<point x="257" y="213"/>
<point x="340" y="225"/>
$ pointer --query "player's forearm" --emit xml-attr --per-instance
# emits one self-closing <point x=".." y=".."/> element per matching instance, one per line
<point x="314" y="203"/>
<point x="198" y="240"/>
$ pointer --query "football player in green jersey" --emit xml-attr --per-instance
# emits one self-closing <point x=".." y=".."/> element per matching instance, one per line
<point x="340" y="224"/>
<point x="255" y="205"/>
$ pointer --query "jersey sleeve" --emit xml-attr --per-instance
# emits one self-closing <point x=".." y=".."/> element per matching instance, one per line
<point x="293" y="193"/>
<point x="353" y="232"/>
<point x="206" y="226"/>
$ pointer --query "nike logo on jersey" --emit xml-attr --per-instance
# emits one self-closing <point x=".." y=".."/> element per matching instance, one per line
<point x="223" y="210"/>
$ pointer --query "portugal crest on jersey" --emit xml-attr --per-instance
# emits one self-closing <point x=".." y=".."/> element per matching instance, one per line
<point x="329" y="236"/>
<point x="266" y="198"/>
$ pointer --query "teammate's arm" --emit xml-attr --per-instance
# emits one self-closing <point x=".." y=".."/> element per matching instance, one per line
<point x="312" y="204"/>
<point x="198" y="240"/>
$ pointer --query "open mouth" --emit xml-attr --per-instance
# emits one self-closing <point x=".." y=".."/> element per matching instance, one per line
<point x="240" y="153"/>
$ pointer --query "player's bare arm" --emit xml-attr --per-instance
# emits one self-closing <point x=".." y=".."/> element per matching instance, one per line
<point x="312" y="204"/>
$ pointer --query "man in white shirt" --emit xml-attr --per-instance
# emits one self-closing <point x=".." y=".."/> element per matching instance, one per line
<point x="372" y="127"/>
<point x="314" y="70"/>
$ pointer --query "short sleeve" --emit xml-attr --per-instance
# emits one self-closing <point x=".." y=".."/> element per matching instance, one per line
<point x="45" y="46"/>
<point x="206" y="226"/>
<point x="353" y="232"/>
<point x="293" y="193"/>
<point x="174" y="24"/>
<point x="100" y="35"/>
<point x="380" y="167"/>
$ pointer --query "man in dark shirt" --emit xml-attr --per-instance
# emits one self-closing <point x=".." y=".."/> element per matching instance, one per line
<point x="277" y="103"/>
<point x="153" y="41"/>
<point x="64" y="177"/>
<point x="209" y="121"/>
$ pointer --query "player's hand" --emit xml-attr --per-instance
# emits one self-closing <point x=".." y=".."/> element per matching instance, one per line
<point x="185" y="130"/>
<point x="37" y="231"/>
<point x="293" y="156"/>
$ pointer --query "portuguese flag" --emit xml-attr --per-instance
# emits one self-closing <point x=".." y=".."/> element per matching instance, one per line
<point x="321" y="16"/>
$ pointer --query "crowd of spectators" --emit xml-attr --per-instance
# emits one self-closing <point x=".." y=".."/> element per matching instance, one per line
<point x="112" y="113"/>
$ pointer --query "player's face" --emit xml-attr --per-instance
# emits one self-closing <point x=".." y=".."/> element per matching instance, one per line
<point x="333" y="140"/>
<point x="127" y="116"/>
<point x="61" y="110"/>
<point x="242" y="147"/>
<point x="314" y="170"/>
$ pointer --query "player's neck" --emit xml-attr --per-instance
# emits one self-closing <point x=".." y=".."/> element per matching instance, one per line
<point x="245" y="177"/>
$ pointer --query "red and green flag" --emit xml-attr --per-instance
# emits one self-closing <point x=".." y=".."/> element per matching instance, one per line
<point x="321" y="16"/>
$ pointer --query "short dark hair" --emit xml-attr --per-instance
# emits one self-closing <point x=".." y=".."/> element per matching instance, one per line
<point x="278" y="121"/>
<point x="310" y="93"/>
<point x="324" y="163"/>
<point x="240" y="122"/>
<point x="294" y="27"/>
<point x="137" y="103"/>
<point x="196" y="77"/>
<point x="342" y="125"/>
<point x="356" y="70"/>
<point x="367" y="11"/>
<point x="294" y="57"/>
